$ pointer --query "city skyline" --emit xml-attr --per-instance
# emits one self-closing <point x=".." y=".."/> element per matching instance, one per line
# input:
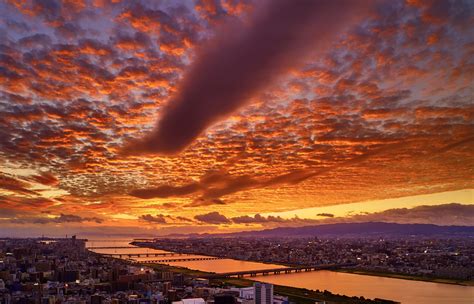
<point x="155" y="118"/>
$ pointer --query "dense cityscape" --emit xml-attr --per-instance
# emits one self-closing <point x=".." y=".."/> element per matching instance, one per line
<point x="446" y="258"/>
<point x="53" y="271"/>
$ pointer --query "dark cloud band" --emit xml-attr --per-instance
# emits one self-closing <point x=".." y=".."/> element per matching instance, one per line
<point x="241" y="60"/>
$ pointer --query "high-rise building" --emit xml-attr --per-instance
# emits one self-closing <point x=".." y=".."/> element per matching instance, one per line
<point x="166" y="287"/>
<point x="263" y="293"/>
<point x="96" y="299"/>
<point x="190" y="301"/>
<point x="68" y="275"/>
<point x="225" y="299"/>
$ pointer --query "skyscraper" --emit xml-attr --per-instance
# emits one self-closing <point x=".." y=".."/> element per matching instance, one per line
<point x="263" y="293"/>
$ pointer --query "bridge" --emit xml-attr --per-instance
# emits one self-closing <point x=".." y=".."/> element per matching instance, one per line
<point x="177" y="260"/>
<point x="112" y="247"/>
<point x="254" y="273"/>
<point x="141" y="255"/>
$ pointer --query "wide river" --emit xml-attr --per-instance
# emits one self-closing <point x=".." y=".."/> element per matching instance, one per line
<point x="404" y="291"/>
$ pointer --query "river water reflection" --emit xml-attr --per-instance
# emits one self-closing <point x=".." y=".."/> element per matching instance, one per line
<point x="224" y="265"/>
<point x="404" y="291"/>
<point x="218" y="266"/>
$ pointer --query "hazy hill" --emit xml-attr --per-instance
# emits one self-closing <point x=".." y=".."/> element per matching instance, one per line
<point x="350" y="229"/>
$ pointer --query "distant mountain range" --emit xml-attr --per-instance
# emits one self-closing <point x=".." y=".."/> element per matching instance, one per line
<point x="349" y="229"/>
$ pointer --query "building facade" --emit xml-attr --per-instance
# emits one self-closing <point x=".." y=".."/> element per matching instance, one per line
<point x="263" y="293"/>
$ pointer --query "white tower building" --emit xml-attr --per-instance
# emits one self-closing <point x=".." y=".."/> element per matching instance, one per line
<point x="263" y="293"/>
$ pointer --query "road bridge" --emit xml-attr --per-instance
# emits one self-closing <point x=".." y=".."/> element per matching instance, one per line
<point x="143" y="255"/>
<point x="177" y="260"/>
<point x="112" y="247"/>
<point x="254" y="273"/>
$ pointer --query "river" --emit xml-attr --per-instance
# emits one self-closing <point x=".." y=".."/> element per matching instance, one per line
<point x="404" y="291"/>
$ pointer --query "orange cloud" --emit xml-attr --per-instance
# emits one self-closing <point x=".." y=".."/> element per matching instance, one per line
<point x="385" y="112"/>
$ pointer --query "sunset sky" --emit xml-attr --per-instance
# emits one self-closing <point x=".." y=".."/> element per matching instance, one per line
<point x="157" y="117"/>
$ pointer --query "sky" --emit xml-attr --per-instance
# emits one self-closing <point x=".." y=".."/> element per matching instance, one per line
<point x="158" y="117"/>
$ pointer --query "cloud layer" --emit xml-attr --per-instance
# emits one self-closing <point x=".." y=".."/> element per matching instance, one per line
<point x="385" y="112"/>
<point x="445" y="214"/>
<point x="242" y="59"/>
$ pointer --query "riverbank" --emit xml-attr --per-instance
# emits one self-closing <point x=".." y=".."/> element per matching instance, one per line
<point x="294" y="294"/>
<point x="406" y="277"/>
